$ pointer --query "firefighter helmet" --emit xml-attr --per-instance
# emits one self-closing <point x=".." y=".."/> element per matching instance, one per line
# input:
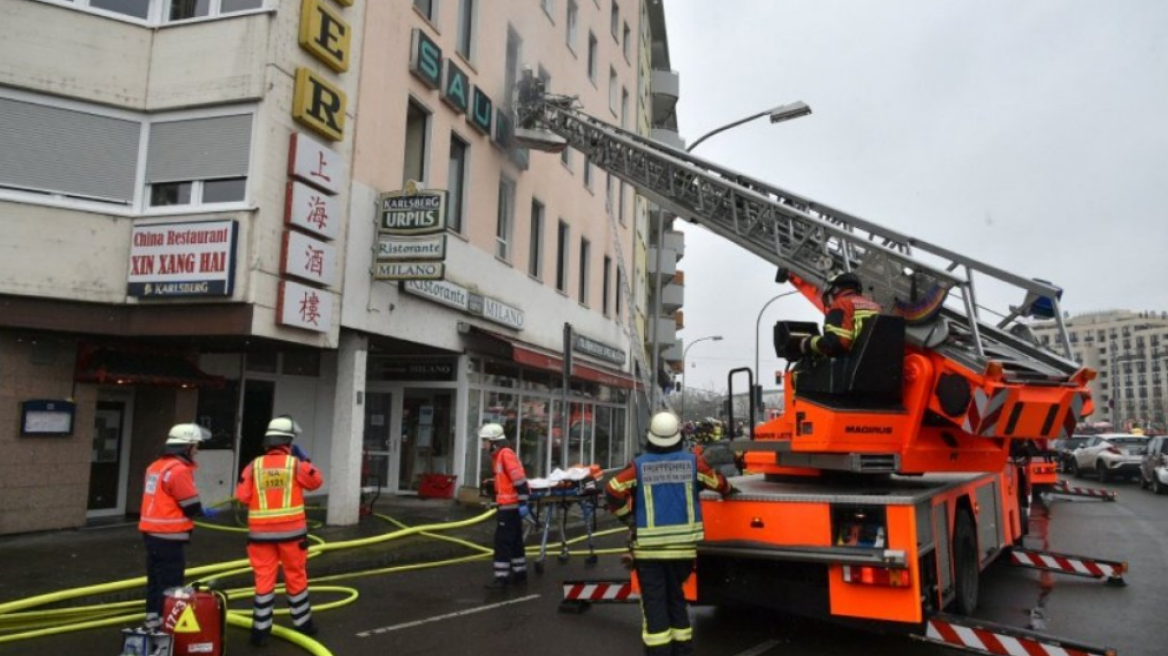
<point x="664" y="430"/>
<point x="492" y="432"/>
<point x="840" y="282"/>
<point x="184" y="436"/>
<point x="281" y="430"/>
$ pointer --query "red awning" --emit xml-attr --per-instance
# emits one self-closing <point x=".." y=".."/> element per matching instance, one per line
<point x="128" y="365"/>
<point x="537" y="358"/>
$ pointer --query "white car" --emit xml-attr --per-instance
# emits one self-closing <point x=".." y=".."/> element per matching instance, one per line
<point x="1154" y="467"/>
<point x="1110" y="455"/>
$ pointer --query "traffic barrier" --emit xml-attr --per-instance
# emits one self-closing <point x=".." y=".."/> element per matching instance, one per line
<point x="1065" y="489"/>
<point x="1094" y="568"/>
<point x="600" y="591"/>
<point x="975" y="636"/>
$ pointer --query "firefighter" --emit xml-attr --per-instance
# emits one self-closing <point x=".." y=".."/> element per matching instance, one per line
<point x="657" y="496"/>
<point x="511" y="494"/>
<point x="272" y="487"/>
<point x="169" y="502"/>
<point x="845" y="311"/>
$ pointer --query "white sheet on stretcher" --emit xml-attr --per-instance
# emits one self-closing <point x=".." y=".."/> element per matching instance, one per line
<point x="558" y="476"/>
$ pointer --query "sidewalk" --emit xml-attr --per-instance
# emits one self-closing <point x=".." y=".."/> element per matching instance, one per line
<point x="41" y="563"/>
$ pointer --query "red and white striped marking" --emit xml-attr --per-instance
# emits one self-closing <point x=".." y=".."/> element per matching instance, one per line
<point x="600" y="591"/>
<point x="1003" y="641"/>
<point x="1067" y="564"/>
<point x="1062" y="487"/>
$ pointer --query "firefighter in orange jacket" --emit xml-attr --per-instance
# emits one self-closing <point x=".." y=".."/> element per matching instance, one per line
<point x="845" y="311"/>
<point x="272" y="487"/>
<point x="511" y="494"/>
<point x="170" y="501"/>
<point x="657" y="496"/>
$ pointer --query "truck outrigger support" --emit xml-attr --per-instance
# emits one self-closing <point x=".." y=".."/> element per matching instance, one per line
<point x="1049" y="561"/>
<point x="580" y="595"/>
<point x="1062" y="488"/>
<point x="979" y="637"/>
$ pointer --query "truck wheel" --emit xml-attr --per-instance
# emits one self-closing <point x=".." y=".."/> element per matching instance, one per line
<point x="1157" y="486"/>
<point x="965" y="570"/>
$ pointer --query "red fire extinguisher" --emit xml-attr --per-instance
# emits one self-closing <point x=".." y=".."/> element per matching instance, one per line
<point x="196" y="618"/>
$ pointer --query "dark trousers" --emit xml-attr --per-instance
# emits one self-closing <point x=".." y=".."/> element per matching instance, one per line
<point x="666" y="630"/>
<point x="509" y="555"/>
<point x="166" y="563"/>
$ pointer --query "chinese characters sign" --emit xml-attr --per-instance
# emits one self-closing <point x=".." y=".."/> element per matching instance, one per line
<point x="315" y="164"/>
<point x="313" y="210"/>
<point x="310" y="259"/>
<point x="194" y="258"/>
<point x="301" y="306"/>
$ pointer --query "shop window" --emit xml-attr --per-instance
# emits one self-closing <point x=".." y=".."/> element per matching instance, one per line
<point x="541" y="381"/>
<point x="602" y="455"/>
<point x="500" y="374"/>
<point x="263" y="362"/>
<point x="471" y="471"/>
<point x="215" y="411"/>
<point x="534" y="427"/>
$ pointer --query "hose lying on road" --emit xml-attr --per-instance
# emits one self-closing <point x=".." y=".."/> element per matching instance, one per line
<point x="19" y="620"/>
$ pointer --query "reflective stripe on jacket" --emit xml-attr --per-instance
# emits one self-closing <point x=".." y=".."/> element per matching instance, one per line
<point x="508" y="474"/>
<point x="169" y="487"/>
<point x="273" y="487"/>
<point x="843" y="323"/>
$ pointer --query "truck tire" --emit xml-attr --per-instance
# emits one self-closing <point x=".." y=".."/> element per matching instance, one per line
<point x="1101" y="470"/>
<point x="965" y="565"/>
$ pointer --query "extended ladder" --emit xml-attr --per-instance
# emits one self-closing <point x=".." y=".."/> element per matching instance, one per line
<point x="815" y="241"/>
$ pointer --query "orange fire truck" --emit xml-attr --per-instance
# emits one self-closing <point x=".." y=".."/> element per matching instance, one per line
<point x="897" y="473"/>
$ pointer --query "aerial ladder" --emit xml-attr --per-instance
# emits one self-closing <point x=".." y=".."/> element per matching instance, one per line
<point x="894" y="475"/>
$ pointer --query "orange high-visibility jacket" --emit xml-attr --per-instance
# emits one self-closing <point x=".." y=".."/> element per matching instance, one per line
<point x="169" y="488"/>
<point x="273" y="487"/>
<point x="843" y="322"/>
<point x="508" y="475"/>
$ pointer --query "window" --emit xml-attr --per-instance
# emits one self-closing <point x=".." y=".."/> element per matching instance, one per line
<point x="511" y="71"/>
<point x="417" y="137"/>
<point x="187" y="9"/>
<point x="566" y="157"/>
<point x="614" y="21"/>
<point x="133" y="8"/>
<point x="620" y="202"/>
<point x="426" y="7"/>
<point x="624" y="113"/>
<point x="619" y="294"/>
<point x="592" y="48"/>
<point x="588" y="173"/>
<point x="573" y="14"/>
<point x="199" y="161"/>
<point x="562" y="257"/>
<point x="456" y="182"/>
<point x="585" y="256"/>
<point x="607" y="282"/>
<point x="506" y="219"/>
<point x="612" y="87"/>
<point x="627" y="43"/>
<point x="549" y="8"/>
<point x="466" y="25"/>
<point x="609" y="193"/>
<point x="535" y="254"/>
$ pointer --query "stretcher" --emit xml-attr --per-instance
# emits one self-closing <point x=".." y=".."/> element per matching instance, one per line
<point x="552" y="504"/>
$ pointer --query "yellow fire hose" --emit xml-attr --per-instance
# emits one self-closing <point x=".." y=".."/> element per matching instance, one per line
<point x="18" y="622"/>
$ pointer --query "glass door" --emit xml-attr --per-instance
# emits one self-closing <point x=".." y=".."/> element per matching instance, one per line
<point x="427" y="436"/>
<point x="377" y="443"/>
<point x="106" y="473"/>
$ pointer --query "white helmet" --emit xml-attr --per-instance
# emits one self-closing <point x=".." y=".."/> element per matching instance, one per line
<point x="187" y="434"/>
<point x="492" y="432"/>
<point x="664" y="430"/>
<point x="281" y="430"/>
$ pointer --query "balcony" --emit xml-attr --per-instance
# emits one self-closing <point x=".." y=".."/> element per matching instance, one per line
<point x="668" y="137"/>
<point x="666" y="331"/>
<point x="672" y="295"/>
<point x="675" y="240"/>
<point x="664" y="87"/>
<point x="668" y="262"/>
<point x="679" y="319"/>
<point x="674" y="351"/>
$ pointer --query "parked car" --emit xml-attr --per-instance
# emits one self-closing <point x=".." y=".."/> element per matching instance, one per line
<point x="1154" y="465"/>
<point x="1110" y="455"/>
<point x="1062" y="448"/>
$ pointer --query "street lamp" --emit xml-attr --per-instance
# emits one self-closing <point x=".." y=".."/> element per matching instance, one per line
<point x="777" y="115"/>
<point x="716" y="338"/>
<point x="757" y="326"/>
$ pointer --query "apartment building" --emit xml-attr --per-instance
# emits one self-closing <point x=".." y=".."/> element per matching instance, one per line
<point x="194" y="200"/>
<point x="1129" y="350"/>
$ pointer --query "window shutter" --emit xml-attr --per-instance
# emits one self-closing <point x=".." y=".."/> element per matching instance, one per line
<point x="199" y="149"/>
<point x="57" y="150"/>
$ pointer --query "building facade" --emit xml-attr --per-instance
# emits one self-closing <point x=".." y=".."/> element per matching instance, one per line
<point x="1129" y="350"/>
<point x="194" y="200"/>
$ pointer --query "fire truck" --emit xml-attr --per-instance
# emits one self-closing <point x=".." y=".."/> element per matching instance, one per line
<point x="897" y="473"/>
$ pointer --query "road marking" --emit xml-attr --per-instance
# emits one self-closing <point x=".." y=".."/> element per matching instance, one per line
<point x="439" y="618"/>
<point x="760" y="649"/>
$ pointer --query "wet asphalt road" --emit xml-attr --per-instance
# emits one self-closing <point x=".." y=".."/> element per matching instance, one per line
<point x="446" y="612"/>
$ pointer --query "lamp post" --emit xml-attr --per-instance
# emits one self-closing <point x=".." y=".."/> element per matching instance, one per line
<point x="757" y="326"/>
<point x="716" y="338"/>
<point x="777" y="115"/>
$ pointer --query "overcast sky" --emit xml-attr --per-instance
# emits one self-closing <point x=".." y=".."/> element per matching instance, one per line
<point x="1031" y="135"/>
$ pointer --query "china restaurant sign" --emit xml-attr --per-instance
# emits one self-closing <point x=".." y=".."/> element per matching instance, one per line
<point x="191" y="258"/>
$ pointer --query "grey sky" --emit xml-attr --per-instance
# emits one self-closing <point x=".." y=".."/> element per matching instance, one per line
<point x="1028" y="135"/>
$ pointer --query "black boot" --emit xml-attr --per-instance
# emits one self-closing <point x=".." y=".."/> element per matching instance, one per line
<point x="497" y="583"/>
<point x="259" y="638"/>
<point x="309" y="628"/>
<point x="518" y="578"/>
